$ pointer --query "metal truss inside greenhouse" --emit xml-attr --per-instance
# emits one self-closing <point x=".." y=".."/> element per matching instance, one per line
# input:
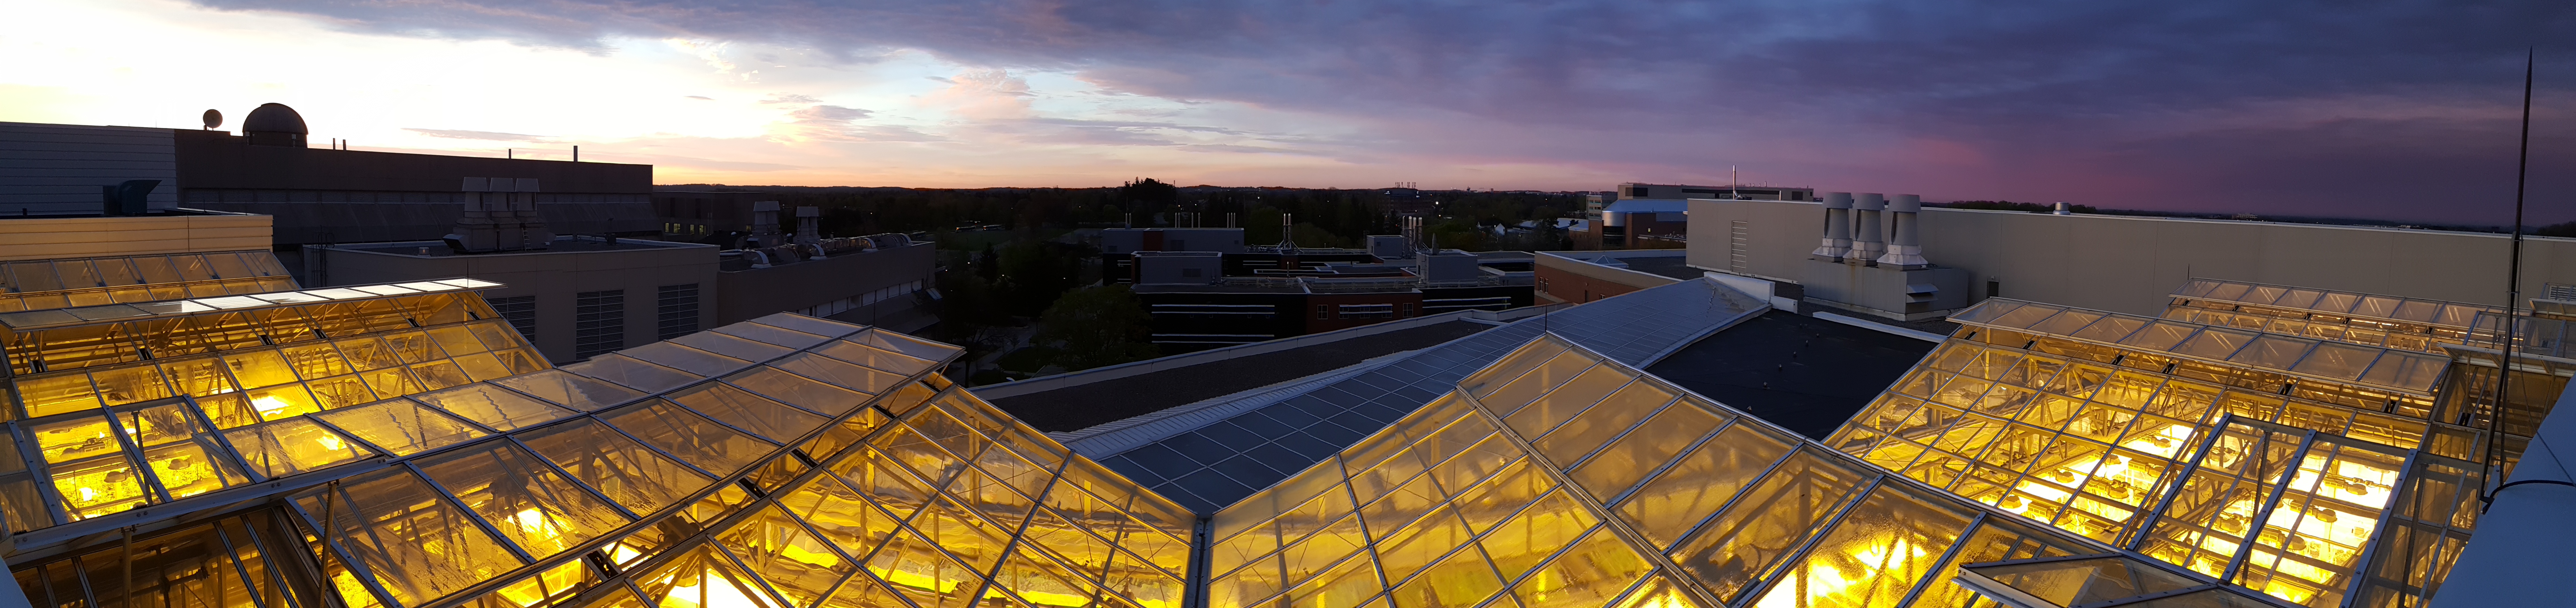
<point x="2313" y="471"/>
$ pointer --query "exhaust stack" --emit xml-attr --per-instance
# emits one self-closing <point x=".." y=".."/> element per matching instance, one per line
<point x="1866" y="241"/>
<point x="1903" y="249"/>
<point x="1837" y="241"/>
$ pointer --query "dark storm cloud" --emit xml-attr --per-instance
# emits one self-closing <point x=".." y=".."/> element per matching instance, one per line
<point x="2128" y="87"/>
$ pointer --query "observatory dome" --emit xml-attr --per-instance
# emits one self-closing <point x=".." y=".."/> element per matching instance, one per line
<point x="274" y="124"/>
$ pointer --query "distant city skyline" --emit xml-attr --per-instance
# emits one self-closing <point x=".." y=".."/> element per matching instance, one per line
<point x="2400" y="111"/>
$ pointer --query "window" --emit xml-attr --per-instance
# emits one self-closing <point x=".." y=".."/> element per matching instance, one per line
<point x="1322" y="311"/>
<point x="1994" y="288"/>
<point x="598" y="322"/>
<point x="1368" y="311"/>
<point x="521" y="312"/>
<point x="678" y="309"/>
<point x="1408" y="310"/>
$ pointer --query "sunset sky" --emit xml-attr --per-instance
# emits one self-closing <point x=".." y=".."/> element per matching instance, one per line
<point x="2390" y="110"/>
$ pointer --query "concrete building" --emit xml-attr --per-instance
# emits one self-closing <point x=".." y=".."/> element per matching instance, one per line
<point x="1201" y="299"/>
<point x="581" y="297"/>
<point x="316" y="195"/>
<point x="586" y="295"/>
<point x="2120" y="263"/>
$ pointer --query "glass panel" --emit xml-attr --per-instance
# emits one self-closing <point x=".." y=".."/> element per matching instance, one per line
<point x="831" y="370"/>
<point x="1700" y="483"/>
<point x="730" y="346"/>
<point x="1572" y="395"/>
<point x="798" y="390"/>
<point x="793" y="561"/>
<point x="808" y="324"/>
<point x="57" y="394"/>
<point x="632" y="373"/>
<point x="639" y="478"/>
<point x="685" y="359"/>
<point x="874" y="357"/>
<point x="1744" y="543"/>
<point x="401" y="427"/>
<point x="908" y="345"/>
<point x="2085" y="581"/>
<point x="537" y="509"/>
<point x="2067" y="322"/>
<point x="1509" y="397"/>
<point x="1874" y="556"/>
<point x="288" y="447"/>
<point x="494" y="407"/>
<point x="281" y="402"/>
<point x="2214" y="343"/>
<point x="2339" y="361"/>
<point x="1615" y="414"/>
<point x="746" y="411"/>
<point x="418" y="546"/>
<point x="772" y="335"/>
<point x="2273" y="351"/>
<point x="2161" y="335"/>
<point x="1591" y="573"/>
<point x="99" y="486"/>
<point x="689" y="436"/>
<point x="1652" y="444"/>
<point x="576" y="392"/>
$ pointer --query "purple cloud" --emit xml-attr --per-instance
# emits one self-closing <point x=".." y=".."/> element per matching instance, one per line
<point x="2302" y="106"/>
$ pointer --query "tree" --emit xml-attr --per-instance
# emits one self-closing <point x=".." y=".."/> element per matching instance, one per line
<point x="989" y="265"/>
<point x="1098" y="326"/>
<point x="1147" y="193"/>
<point x="1035" y="273"/>
<point x="1261" y="226"/>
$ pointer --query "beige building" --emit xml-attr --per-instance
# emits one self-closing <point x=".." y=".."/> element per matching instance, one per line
<point x="584" y="296"/>
<point x="2131" y="264"/>
<point x="581" y="298"/>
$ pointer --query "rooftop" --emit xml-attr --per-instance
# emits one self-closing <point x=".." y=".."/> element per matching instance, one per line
<point x="1077" y="407"/>
<point x="1807" y="375"/>
<point x="562" y="244"/>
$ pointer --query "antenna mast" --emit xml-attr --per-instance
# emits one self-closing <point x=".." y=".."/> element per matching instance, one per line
<point x="2513" y="283"/>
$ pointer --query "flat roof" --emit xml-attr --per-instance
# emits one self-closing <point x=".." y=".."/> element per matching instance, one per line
<point x="439" y="249"/>
<point x="1677" y="267"/>
<point x="1082" y="406"/>
<point x="1805" y="374"/>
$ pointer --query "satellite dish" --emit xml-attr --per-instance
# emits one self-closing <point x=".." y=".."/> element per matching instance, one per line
<point x="214" y="119"/>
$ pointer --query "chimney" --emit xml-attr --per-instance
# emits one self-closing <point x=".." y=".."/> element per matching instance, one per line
<point x="474" y="232"/>
<point x="809" y="225"/>
<point x="764" y="223"/>
<point x="1866" y="243"/>
<point x="1837" y="242"/>
<point x="1903" y="249"/>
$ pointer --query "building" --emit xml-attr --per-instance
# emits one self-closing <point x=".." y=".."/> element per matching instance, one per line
<point x="231" y="439"/>
<point x="1206" y="299"/>
<point x="1654" y="216"/>
<point x="2120" y="263"/>
<point x="316" y="195"/>
<point x="345" y="217"/>
<point x="580" y="298"/>
<point x="585" y="295"/>
<point x="1118" y="246"/>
